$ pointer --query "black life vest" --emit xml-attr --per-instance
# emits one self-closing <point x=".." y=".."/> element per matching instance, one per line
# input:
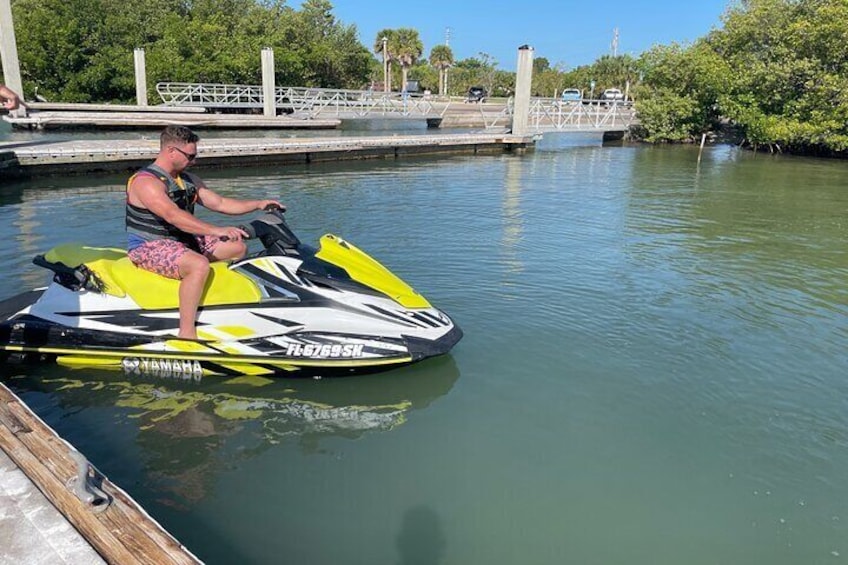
<point x="147" y="225"/>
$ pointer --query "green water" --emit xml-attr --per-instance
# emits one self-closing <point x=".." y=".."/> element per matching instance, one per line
<point x="653" y="369"/>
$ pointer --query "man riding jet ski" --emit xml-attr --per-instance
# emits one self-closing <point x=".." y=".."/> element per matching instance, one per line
<point x="289" y="308"/>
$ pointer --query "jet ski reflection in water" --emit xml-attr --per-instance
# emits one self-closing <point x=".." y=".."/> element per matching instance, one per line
<point x="177" y="436"/>
<point x="288" y="309"/>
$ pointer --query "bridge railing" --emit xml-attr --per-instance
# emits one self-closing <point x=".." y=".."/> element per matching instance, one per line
<point x="300" y="101"/>
<point x="210" y="95"/>
<point x="551" y="114"/>
<point x="545" y="114"/>
<point x="358" y="103"/>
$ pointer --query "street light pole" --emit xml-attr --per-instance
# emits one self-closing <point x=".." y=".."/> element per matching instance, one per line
<point x="385" y="66"/>
<point x="447" y="44"/>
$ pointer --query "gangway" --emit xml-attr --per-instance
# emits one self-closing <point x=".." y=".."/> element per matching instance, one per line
<point x="545" y="114"/>
<point x="301" y="102"/>
<point x="551" y="114"/>
<point x="555" y="115"/>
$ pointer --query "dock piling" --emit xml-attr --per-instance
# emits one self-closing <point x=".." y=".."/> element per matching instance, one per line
<point x="269" y="98"/>
<point x="140" y="77"/>
<point x="523" y="80"/>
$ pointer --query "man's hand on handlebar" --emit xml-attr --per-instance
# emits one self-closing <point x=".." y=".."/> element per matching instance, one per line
<point x="231" y="233"/>
<point x="270" y="205"/>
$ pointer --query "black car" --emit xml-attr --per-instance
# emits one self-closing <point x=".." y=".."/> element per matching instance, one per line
<point x="476" y="94"/>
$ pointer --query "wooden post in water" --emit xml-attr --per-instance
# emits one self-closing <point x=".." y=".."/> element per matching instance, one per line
<point x="140" y="77"/>
<point x="523" y="80"/>
<point x="269" y="95"/>
<point x="9" y="55"/>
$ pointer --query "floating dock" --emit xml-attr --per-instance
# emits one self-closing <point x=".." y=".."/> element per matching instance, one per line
<point x="84" y="156"/>
<point x="60" y="116"/>
<point x="107" y="522"/>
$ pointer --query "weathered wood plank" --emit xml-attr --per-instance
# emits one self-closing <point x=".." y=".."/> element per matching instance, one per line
<point x="91" y="155"/>
<point x="83" y="107"/>
<point x="54" y="455"/>
<point x="123" y="532"/>
<point x="50" y="119"/>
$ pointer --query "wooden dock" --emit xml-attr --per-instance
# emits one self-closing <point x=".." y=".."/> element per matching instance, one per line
<point x="116" y="527"/>
<point x="84" y="156"/>
<point x="149" y="117"/>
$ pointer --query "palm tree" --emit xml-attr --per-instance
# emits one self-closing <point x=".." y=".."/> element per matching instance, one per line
<point x="406" y="50"/>
<point x="441" y="57"/>
<point x="384" y="45"/>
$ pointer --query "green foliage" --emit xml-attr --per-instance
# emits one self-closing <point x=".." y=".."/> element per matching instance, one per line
<point x="427" y="75"/>
<point x="441" y="58"/>
<point x="614" y="72"/>
<point x="481" y="71"/>
<point x="402" y="46"/>
<point x="686" y="82"/>
<point x="778" y="69"/>
<point x="405" y="47"/>
<point x="668" y="115"/>
<point x="788" y="72"/>
<point x="540" y="65"/>
<point x="82" y="50"/>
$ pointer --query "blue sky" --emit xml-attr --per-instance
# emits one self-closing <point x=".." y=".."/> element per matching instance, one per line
<point x="564" y="31"/>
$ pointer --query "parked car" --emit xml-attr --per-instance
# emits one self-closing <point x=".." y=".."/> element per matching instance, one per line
<point x="571" y="95"/>
<point x="612" y="95"/>
<point x="476" y="94"/>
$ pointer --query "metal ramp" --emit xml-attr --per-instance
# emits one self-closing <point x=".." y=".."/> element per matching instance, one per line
<point x="551" y="115"/>
<point x="301" y="102"/>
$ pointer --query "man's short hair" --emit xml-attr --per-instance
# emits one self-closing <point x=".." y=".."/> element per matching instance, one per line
<point x="180" y="135"/>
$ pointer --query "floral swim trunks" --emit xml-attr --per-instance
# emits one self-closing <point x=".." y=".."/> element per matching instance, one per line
<point x="162" y="255"/>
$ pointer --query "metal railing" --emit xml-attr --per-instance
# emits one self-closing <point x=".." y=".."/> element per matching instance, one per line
<point x="299" y="101"/>
<point x="545" y="114"/>
<point x="550" y="114"/>
<point x="554" y="115"/>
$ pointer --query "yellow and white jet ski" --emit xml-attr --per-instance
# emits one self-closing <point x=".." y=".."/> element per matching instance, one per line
<point x="289" y="309"/>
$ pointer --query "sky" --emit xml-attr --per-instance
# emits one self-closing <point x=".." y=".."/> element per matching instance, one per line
<point x="567" y="32"/>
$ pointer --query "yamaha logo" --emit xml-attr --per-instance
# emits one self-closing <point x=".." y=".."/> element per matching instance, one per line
<point x="176" y="368"/>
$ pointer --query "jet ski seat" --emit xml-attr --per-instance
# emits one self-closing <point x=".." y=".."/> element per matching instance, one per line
<point x="120" y="277"/>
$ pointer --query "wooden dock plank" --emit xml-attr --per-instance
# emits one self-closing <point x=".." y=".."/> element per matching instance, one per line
<point x="85" y="107"/>
<point x="32" y="530"/>
<point x="99" y="155"/>
<point x="51" y="119"/>
<point x="121" y="533"/>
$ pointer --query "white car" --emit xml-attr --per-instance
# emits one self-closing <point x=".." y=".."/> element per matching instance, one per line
<point x="612" y="95"/>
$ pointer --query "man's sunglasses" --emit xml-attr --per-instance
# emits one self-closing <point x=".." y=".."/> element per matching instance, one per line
<point x="189" y="156"/>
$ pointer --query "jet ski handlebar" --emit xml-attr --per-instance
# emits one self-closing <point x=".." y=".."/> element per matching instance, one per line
<point x="271" y="228"/>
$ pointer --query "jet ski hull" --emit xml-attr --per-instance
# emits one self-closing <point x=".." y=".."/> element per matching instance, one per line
<point x="291" y="310"/>
<point x="29" y="337"/>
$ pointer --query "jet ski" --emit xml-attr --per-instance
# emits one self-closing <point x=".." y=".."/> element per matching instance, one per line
<point x="289" y="309"/>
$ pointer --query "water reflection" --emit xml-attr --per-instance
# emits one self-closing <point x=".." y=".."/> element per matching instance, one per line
<point x="512" y="217"/>
<point x="749" y="226"/>
<point x="189" y="431"/>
